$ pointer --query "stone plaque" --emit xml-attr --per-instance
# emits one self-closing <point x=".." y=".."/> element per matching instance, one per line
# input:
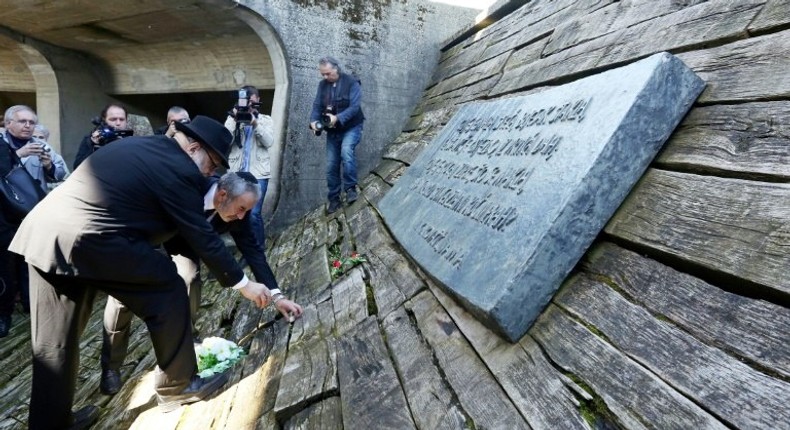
<point x="505" y="201"/>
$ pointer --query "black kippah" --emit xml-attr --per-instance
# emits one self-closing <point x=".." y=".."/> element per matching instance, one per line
<point x="248" y="177"/>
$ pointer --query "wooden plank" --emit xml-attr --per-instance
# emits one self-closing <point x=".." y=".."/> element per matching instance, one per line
<point x="710" y="22"/>
<point x="543" y="395"/>
<point x="485" y="402"/>
<point x="751" y="69"/>
<point x="349" y="299"/>
<point x="479" y="72"/>
<point x="324" y="415"/>
<point x="775" y="14"/>
<point x="317" y="321"/>
<point x="313" y="276"/>
<point x="620" y="15"/>
<point x="731" y="390"/>
<point x="432" y="401"/>
<point x="309" y="374"/>
<point x="392" y="277"/>
<point x="754" y="330"/>
<point x="748" y="139"/>
<point x="742" y="229"/>
<point x="637" y="398"/>
<point x="372" y="395"/>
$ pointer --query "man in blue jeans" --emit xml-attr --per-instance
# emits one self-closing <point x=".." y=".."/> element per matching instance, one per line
<point x="337" y="110"/>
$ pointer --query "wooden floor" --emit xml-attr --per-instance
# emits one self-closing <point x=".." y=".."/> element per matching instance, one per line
<point x="628" y="343"/>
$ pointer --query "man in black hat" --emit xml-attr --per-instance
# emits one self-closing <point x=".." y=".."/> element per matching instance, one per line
<point x="101" y="230"/>
<point x="226" y="204"/>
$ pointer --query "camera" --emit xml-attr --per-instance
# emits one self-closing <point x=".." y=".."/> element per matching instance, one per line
<point x="245" y="109"/>
<point x="325" y="121"/>
<point x="108" y="133"/>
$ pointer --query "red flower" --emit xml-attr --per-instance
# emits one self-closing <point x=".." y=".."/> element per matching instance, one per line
<point x="337" y="264"/>
<point x="354" y="255"/>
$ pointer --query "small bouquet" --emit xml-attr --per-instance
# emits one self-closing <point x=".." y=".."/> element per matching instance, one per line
<point x="216" y="355"/>
<point x="342" y="265"/>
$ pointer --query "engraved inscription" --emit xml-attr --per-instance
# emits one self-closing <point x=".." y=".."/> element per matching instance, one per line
<point x="487" y="150"/>
<point x="436" y="238"/>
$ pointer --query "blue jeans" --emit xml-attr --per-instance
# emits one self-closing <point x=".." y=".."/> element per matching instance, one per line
<point x="255" y="214"/>
<point x="340" y="148"/>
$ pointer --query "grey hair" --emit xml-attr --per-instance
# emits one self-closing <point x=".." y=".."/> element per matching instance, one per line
<point x="236" y="186"/>
<point x="10" y="112"/>
<point x="44" y="130"/>
<point x="332" y="61"/>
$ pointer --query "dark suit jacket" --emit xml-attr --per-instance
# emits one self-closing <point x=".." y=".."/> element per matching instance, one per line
<point x="242" y="233"/>
<point x="108" y="218"/>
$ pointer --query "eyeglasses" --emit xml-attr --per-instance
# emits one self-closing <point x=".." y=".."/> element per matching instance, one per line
<point x="25" y="121"/>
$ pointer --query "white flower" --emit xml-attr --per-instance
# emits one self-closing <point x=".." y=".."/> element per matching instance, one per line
<point x="216" y="355"/>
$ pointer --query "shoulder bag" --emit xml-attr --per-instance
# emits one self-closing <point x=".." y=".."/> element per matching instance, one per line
<point x="19" y="191"/>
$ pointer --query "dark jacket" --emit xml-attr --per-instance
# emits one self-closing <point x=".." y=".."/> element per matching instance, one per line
<point x="85" y="149"/>
<point x="346" y="100"/>
<point x="108" y="218"/>
<point x="243" y="235"/>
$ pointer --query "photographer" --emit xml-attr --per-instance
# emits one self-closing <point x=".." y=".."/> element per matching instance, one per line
<point x="253" y="135"/>
<point x="175" y="113"/>
<point x="110" y="126"/>
<point x="48" y="167"/>
<point x="337" y="110"/>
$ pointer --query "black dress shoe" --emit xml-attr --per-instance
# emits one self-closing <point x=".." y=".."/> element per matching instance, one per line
<point x="84" y="417"/>
<point x="351" y="195"/>
<point x="198" y="389"/>
<point x="5" y="325"/>
<point x="110" y="382"/>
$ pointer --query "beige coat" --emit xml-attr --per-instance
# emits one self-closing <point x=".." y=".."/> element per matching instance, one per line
<point x="259" y="166"/>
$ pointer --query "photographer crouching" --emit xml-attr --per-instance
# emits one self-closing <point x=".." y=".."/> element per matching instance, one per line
<point x="337" y="110"/>
<point x="111" y="125"/>
<point x="253" y="135"/>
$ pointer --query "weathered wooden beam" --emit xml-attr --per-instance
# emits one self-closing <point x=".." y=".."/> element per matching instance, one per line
<point x="746" y="70"/>
<point x="711" y="22"/>
<point x="736" y="227"/>
<point x="481" y="396"/>
<point x="731" y="390"/>
<point x="543" y="395"/>
<point x="432" y="401"/>
<point x="324" y="415"/>
<point x="748" y="140"/>
<point x="349" y="299"/>
<point x="754" y="330"/>
<point x="637" y="397"/>
<point x="372" y="396"/>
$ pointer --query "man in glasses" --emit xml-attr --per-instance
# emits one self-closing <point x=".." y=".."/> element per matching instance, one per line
<point x="101" y="231"/>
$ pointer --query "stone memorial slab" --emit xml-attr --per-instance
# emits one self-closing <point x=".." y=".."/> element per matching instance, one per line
<point x="506" y="200"/>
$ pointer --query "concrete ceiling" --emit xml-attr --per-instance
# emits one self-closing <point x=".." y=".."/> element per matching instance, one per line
<point x="96" y="25"/>
<point x="140" y="36"/>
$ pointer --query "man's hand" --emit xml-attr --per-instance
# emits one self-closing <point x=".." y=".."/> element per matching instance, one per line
<point x="313" y="125"/>
<point x="332" y="120"/>
<point x="30" y="148"/>
<point x="257" y="293"/>
<point x="46" y="160"/>
<point x="289" y="309"/>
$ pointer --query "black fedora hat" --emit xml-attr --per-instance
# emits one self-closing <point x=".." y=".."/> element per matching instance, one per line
<point x="208" y="132"/>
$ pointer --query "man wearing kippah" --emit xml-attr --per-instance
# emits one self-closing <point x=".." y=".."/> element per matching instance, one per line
<point x="226" y="203"/>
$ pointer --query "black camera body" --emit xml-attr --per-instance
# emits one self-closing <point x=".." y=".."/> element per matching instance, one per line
<point x="245" y="109"/>
<point x="108" y="133"/>
<point x="325" y="121"/>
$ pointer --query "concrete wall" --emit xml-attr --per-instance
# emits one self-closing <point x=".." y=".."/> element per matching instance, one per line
<point x="392" y="46"/>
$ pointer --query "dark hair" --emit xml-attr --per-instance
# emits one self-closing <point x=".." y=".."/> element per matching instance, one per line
<point x="251" y="90"/>
<point x="103" y="114"/>
<point x="331" y="61"/>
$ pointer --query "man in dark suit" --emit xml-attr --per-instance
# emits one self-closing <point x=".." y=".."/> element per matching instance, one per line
<point x="101" y="230"/>
<point x="226" y="203"/>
